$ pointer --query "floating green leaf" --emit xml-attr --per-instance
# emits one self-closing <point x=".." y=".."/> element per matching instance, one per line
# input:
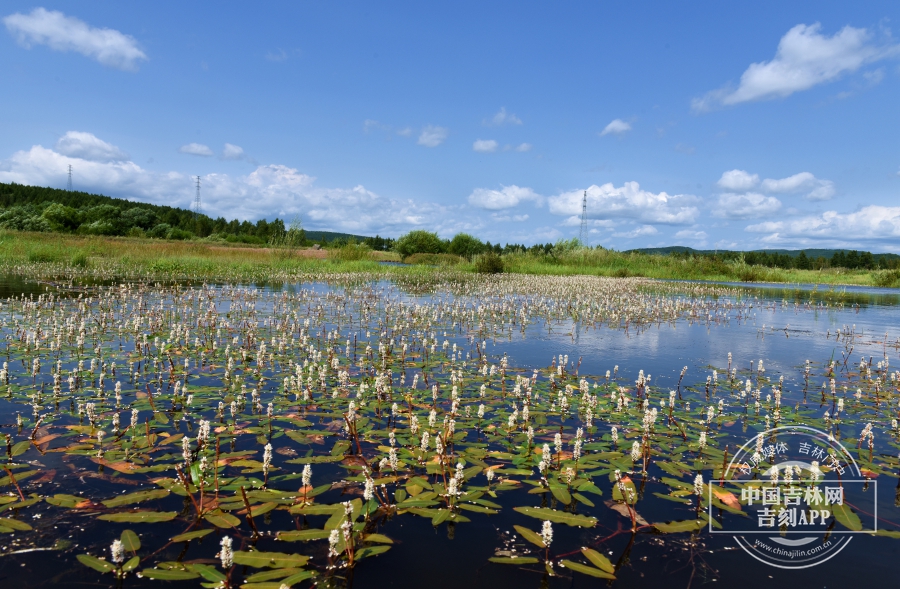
<point x="587" y="570"/>
<point x="531" y="536"/>
<point x="95" y="563"/>
<point x="277" y="560"/>
<point x="514" y="559"/>
<point x="691" y="525"/>
<point x="188" y="536"/>
<point x="560" y="517"/>
<point x="598" y="560"/>
<point x="130" y="541"/>
<point x="139" y="517"/>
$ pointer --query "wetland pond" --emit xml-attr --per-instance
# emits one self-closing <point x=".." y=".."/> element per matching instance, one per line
<point x="508" y="431"/>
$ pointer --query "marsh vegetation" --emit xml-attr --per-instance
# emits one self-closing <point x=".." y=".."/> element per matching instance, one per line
<point x="331" y="427"/>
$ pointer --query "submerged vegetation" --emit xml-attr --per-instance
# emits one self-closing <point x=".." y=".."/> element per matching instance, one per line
<point x="254" y="437"/>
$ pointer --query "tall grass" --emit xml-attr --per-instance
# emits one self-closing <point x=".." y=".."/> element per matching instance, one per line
<point x="205" y="260"/>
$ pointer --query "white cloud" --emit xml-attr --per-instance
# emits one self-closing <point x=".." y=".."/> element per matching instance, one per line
<point x="371" y="124"/>
<point x="279" y="55"/>
<point x="746" y="206"/>
<point x="738" y="180"/>
<point x="432" y="136"/>
<point x="485" y="145"/>
<point x="617" y="127"/>
<point x="65" y="33"/>
<point x="504" y="118"/>
<point x="872" y="225"/>
<point x="765" y="227"/>
<point x="269" y="191"/>
<point x="805" y="58"/>
<point x="405" y="132"/>
<point x="86" y="146"/>
<point x="505" y="198"/>
<point x="522" y="147"/>
<point x="641" y="231"/>
<point x="691" y="234"/>
<point x="628" y="202"/>
<point x="815" y="188"/>
<point x="196" y="149"/>
<point x="515" y="218"/>
<point x="232" y="152"/>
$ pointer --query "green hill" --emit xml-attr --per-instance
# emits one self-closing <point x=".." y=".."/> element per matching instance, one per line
<point x="37" y="208"/>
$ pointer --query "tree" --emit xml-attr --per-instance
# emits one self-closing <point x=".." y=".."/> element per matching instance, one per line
<point x="420" y="242"/>
<point x="466" y="246"/>
<point x="803" y="261"/>
<point x="61" y="217"/>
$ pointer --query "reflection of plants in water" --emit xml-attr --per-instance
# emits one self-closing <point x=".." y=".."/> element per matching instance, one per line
<point x="289" y="429"/>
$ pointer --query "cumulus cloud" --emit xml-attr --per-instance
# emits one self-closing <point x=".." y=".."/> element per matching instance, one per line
<point x="432" y="136"/>
<point x="505" y="198"/>
<point x="869" y="226"/>
<point x="691" y="234"/>
<point x="641" y="231"/>
<point x="804" y="58"/>
<point x="232" y="152"/>
<point x="504" y="118"/>
<point x="522" y="147"/>
<point x="627" y="202"/>
<point x="86" y="146"/>
<point x="485" y="145"/>
<point x="738" y="180"/>
<point x="814" y="188"/>
<point x="268" y="191"/>
<point x="66" y="33"/>
<point x="746" y="206"/>
<point x="616" y="127"/>
<point x="196" y="149"/>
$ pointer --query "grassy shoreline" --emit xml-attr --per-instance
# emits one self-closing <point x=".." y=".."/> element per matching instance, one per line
<point x="113" y="257"/>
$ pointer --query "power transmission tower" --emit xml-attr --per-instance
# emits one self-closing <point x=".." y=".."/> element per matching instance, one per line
<point x="197" y="201"/>
<point x="69" y="183"/>
<point x="583" y="234"/>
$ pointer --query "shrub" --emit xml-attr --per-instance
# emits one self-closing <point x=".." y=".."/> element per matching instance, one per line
<point x="160" y="231"/>
<point x="179" y="234"/>
<point x="887" y="278"/>
<point x="420" y="242"/>
<point x="489" y="263"/>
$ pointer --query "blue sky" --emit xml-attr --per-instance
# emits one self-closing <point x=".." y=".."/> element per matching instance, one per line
<point x="704" y="124"/>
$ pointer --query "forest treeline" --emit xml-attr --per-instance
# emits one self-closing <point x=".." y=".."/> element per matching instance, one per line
<point x="467" y="246"/>
<point x="37" y="208"/>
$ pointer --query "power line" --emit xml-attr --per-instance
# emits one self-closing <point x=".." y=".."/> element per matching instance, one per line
<point x="583" y="234"/>
<point x="69" y="183"/>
